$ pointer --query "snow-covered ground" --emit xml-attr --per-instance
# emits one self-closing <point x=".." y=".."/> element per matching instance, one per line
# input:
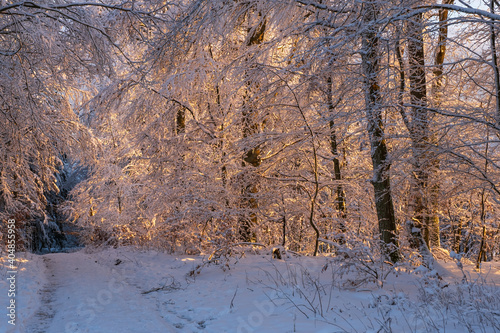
<point x="126" y="290"/>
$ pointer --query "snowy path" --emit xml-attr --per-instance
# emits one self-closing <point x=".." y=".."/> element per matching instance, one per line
<point x="83" y="296"/>
<point x="138" y="291"/>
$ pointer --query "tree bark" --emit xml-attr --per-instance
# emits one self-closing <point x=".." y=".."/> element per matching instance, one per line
<point x="341" y="199"/>
<point x="437" y="98"/>
<point x="379" y="152"/>
<point x="251" y="157"/>
<point x="425" y="162"/>
<point x="494" y="60"/>
<point x="180" y="121"/>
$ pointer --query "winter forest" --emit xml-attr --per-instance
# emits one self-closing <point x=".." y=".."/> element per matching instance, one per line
<point x="366" y="132"/>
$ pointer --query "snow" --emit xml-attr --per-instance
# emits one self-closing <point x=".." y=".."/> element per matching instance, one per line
<point x="127" y="290"/>
<point x="31" y="279"/>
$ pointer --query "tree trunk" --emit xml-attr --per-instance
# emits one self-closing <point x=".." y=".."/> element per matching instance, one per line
<point x="437" y="98"/>
<point x="494" y="60"/>
<point x="341" y="199"/>
<point x="380" y="161"/>
<point x="458" y="236"/>
<point x="180" y="121"/>
<point x="425" y="163"/>
<point x="251" y="157"/>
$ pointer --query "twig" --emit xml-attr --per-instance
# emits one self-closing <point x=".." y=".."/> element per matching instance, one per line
<point x="234" y="296"/>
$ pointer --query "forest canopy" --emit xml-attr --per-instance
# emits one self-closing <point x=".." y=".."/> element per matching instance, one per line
<point x="193" y="125"/>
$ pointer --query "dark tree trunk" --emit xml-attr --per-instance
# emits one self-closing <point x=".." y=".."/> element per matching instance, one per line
<point x="425" y="162"/>
<point x="380" y="161"/>
<point x="494" y="58"/>
<point x="180" y="121"/>
<point x="341" y="199"/>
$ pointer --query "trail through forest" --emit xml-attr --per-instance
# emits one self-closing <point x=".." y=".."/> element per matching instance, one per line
<point x="141" y="291"/>
<point x="83" y="296"/>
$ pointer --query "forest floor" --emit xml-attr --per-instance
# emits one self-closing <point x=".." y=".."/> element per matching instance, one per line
<point x="126" y="290"/>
